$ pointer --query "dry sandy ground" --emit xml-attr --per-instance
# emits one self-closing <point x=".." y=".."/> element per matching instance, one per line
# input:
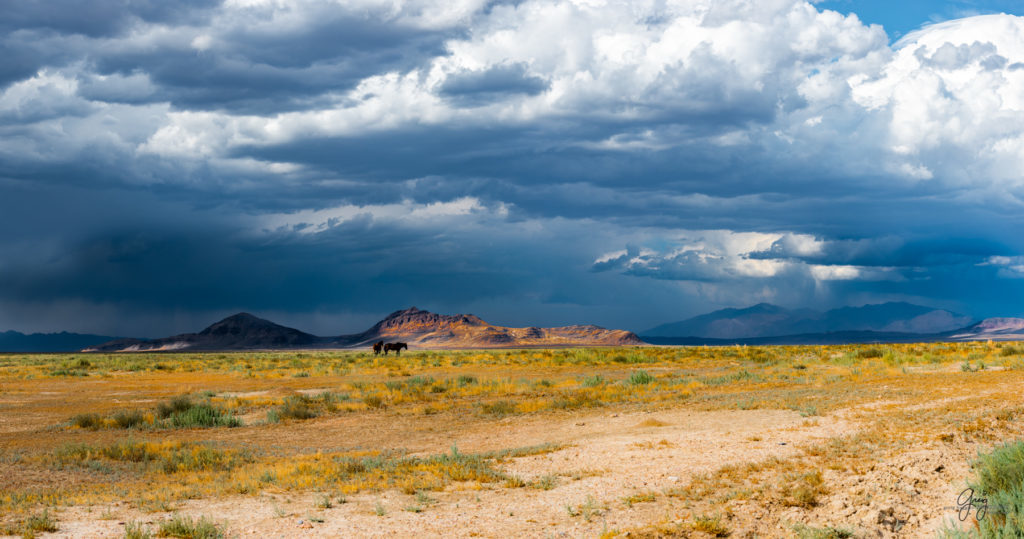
<point x="610" y="456"/>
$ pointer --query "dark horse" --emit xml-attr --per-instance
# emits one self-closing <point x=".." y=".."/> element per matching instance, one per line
<point x="396" y="346"/>
<point x="377" y="347"/>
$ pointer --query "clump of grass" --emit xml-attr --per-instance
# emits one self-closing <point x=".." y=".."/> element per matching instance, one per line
<point x="803" y="531"/>
<point x="165" y="457"/>
<point x="185" y="527"/>
<point x="296" y="407"/>
<point x="136" y="530"/>
<point x="178" y="404"/>
<point x="545" y="482"/>
<point x="465" y="380"/>
<point x="593" y="381"/>
<point x="423" y="499"/>
<point x="711" y="525"/>
<point x="323" y="501"/>
<point x="590" y="508"/>
<point x="803" y="490"/>
<point x="87" y="421"/>
<point x="203" y="416"/>
<point x="574" y="400"/>
<point x="374" y="401"/>
<point x="1011" y="351"/>
<point x="41" y="522"/>
<point x="638" y="378"/>
<point x="68" y="372"/>
<point x="868" y="353"/>
<point x="514" y="481"/>
<point x="641" y="497"/>
<point x="500" y="408"/>
<point x="179" y="412"/>
<point x="379" y="509"/>
<point x="806" y="410"/>
<point x="127" y="419"/>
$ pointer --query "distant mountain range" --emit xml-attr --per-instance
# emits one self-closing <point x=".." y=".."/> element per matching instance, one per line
<point x="766" y="320"/>
<point x="418" y="328"/>
<point x="885" y="322"/>
<point x="996" y="329"/>
<point x="760" y="324"/>
<point x="13" y="341"/>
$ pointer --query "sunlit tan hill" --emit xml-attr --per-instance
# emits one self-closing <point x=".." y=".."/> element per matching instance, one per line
<point x="418" y="328"/>
<point x="430" y="330"/>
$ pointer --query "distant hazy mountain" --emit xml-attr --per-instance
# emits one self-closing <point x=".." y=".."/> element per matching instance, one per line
<point x="766" y="320"/>
<point x="13" y="341"/>
<point x="416" y="327"/>
<point x="996" y="329"/>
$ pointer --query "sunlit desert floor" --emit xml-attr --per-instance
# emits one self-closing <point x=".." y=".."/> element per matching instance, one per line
<point x="810" y="441"/>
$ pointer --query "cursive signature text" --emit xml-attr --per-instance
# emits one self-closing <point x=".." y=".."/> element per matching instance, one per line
<point x="966" y="502"/>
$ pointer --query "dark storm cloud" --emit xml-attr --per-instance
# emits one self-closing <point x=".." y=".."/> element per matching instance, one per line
<point x="362" y="264"/>
<point x="891" y="251"/>
<point x="475" y="88"/>
<point x="258" y="72"/>
<point x="249" y="66"/>
<point x="200" y="158"/>
<point x="98" y="18"/>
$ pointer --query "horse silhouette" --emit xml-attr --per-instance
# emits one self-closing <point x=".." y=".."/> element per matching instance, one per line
<point x="377" y="347"/>
<point x="396" y="346"/>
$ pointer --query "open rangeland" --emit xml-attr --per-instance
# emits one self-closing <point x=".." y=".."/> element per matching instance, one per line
<point x="803" y="441"/>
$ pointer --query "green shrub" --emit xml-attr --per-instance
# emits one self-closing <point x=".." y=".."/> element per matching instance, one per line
<point x="87" y="421"/>
<point x="178" y="404"/>
<point x="640" y="378"/>
<point x="868" y="353"/>
<point x="127" y="419"/>
<point x="203" y="416"/>
<point x="296" y="407"/>
<point x="68" y="372"/>
<point x="1011" y="351"/>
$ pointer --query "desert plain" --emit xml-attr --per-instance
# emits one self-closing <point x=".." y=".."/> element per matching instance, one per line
<point x="774" y="441"/>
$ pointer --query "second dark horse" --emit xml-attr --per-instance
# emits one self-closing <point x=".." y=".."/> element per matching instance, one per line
<point x="377" y="347"/>
<point x="396" y="346"/>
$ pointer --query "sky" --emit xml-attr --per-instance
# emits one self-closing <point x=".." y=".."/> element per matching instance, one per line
<point x="533" y="162"/>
